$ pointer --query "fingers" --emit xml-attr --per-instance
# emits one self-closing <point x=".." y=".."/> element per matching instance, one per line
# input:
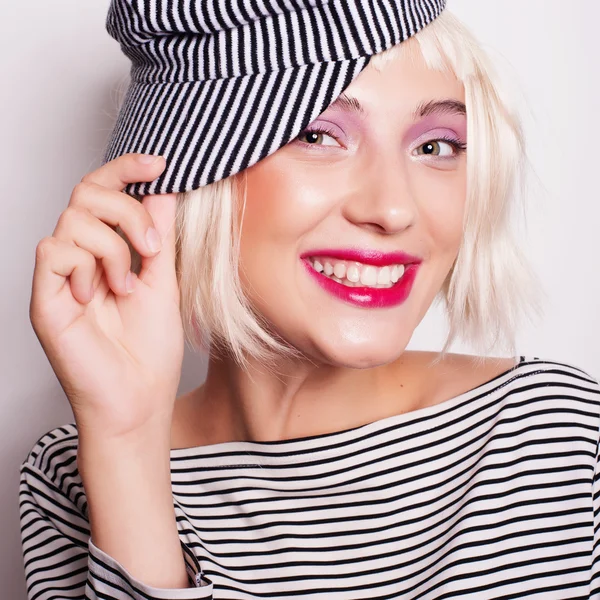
<point x="84" y="243"/>
<point x="56" y="260"/>
<point x="160" y="270"/>
<point x="129" y="168"/>
<point x="115" y="208"/>
<point x="97" y="201"/>
<point x="77" y="226"/>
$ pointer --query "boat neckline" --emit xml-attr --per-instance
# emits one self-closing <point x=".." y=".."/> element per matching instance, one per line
<point x="328" y="437"/>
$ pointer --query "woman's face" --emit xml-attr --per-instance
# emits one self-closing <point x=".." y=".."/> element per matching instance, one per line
<point x="353" y="192"/>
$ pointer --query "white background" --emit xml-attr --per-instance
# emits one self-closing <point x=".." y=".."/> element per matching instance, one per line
<point x="60" y="75"/>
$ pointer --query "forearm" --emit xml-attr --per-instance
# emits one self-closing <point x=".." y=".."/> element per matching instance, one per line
<point x="128" y="488"/>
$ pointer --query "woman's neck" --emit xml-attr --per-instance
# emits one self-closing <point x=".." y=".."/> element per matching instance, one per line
<point x="301" y="399"/>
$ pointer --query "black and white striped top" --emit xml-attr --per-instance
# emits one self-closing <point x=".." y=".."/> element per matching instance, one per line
<point x="494" y="493"/>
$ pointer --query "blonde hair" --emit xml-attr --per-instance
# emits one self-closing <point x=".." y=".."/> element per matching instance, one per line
<point x="487" y="289"/>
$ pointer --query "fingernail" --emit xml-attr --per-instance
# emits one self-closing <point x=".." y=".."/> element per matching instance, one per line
<point x="153" y="239"/>
<point x="129" y="282"/>
<point x="148" y="159"/>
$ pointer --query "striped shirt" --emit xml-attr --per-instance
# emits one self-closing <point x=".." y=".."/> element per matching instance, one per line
<point x="494" y="493"/>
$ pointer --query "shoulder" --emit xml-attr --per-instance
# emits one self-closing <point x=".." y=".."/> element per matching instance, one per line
<point x="525" y="381"/>
<point x="546" y="376"/>
<point x="53" y="448"/>
<point x="531" y="392"/>
<point x="530" y="376"/>
<point x="53" y="508"/>
<point x="553" y="398"/>
<point x="50" y="471"/>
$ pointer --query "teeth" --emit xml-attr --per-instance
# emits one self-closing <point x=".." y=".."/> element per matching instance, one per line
<point x="356" y="274"/>
<point x="368" y="275"/>
<point x="383" y="276"/>
<point x="397" y="272"/>
<point x="339" y="270"/>
<point x="353" y="274"/>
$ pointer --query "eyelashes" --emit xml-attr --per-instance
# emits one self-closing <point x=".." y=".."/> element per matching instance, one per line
<point x="320" y="130"/>
<point x="457" y="145"/>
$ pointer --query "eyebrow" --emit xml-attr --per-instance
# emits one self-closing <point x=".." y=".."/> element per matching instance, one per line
<point x="349" y="103"/>
<point x="448" y="106"/>
<point x="424" y="109"/>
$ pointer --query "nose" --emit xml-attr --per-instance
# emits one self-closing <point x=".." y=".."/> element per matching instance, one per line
<point x="381" y="197"/>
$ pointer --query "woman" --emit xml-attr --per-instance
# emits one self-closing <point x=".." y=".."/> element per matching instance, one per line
<point x="319" y="459"/>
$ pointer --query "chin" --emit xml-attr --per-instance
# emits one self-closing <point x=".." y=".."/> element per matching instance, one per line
<point x="361" y="355"/>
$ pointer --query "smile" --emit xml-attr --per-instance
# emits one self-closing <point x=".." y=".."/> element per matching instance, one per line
<point x="360" y="284"/>
<point x="356" y="274"/>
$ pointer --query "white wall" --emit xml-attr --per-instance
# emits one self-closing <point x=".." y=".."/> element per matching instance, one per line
<point x="552" y="57"/>
<point x="59" y="74"/>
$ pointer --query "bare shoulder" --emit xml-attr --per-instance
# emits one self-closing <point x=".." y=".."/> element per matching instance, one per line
<point x="456" y="374"/>
<point x="475" y="369"/>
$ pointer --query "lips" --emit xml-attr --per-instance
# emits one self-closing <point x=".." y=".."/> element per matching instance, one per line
<point x="367" y="257"/>
<point x="395" y="275"/>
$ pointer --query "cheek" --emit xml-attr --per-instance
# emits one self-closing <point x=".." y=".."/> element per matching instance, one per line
<point x="282" y="205"/>
<point x="442" y="196"/>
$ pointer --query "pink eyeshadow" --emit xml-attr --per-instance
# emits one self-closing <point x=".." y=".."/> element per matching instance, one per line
<point x="455" y="124"/>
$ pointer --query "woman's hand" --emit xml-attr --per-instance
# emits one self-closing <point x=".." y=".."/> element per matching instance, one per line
<point x="117" y="355"/>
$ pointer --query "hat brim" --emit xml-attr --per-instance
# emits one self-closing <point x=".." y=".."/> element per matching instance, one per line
<point x="209" y="130"/>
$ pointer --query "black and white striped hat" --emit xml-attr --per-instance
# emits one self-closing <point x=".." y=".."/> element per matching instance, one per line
<point x="217" y="85"/>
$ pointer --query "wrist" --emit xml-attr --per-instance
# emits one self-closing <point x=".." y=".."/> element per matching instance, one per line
<point x="133" y="473"/>
<point x="130" y="507"/>
<point x="155" y="431"/>
<point x="144" y="455"/>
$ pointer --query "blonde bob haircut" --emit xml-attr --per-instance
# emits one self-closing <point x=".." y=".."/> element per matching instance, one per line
<point x="490" y="283"/>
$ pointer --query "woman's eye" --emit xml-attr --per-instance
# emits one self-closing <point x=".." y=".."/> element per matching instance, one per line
<point x="317" y="137"/>
<point x="439" y="148"/>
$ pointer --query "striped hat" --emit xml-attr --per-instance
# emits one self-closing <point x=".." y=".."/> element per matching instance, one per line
<point x="217" y="85"/>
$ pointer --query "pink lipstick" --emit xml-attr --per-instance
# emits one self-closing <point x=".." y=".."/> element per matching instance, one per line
<point x="366" y="296"/>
